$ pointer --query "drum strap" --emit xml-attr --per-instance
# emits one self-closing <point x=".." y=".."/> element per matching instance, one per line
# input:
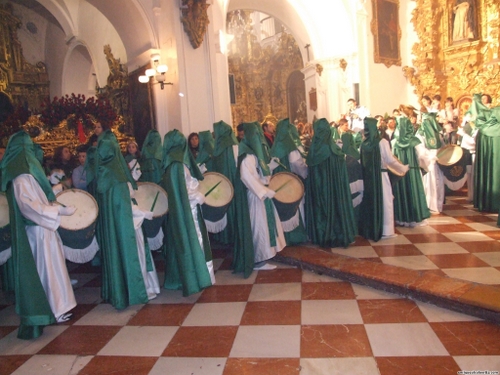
<point x="271" y="221"/>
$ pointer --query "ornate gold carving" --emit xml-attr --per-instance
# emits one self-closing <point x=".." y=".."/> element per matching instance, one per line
<point x="23" y="83"/>
<point x="319" y="69"/>
<point x="262" y="74"/>
<point x="456" y="68"/>
<point x="386" y="32"/>
<point x="117" y="89"/>
<point x="195" y="20"/>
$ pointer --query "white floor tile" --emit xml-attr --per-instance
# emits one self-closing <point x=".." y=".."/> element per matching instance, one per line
<point x="11" y="345"/>
<point x="478" y="362"/>
<point x="437" y="220"/>
<point x="107" y="315"/>
<point x="53" y="365"/>
<point x="483" y="227"/>
<point x="417" y="230"/>
<point x="276" y="292"/>
<point x="167" y="296"/>
<point x="226" y="277"/>
<point x="440" y="248"/>
<point x="330" y="312"/>
<point x="436" y="314"/>
<point x="215" y="314"/>
<point x="412" y="262"/>
<point x="467" y="236"/>
<point x="267" y="342"/>
<point x="365" y="292"/>
<point x="338" y="366"/>
<point x="188" y="366"/>
<point x="493" y="258"/>
<point x="356" y="252"/>
<point x="404" y="339"/>
<point x="153" y="341"/>
<point x="482" y="275"/>
<point x="459" y="213"/>
<point x="399" y="240"/>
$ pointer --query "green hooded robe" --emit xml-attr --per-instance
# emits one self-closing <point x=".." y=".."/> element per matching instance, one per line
<point x="205" y="150"/>
<point x="151" y="156"/>
<point x="187" y="261"/>
<point x="329" y="212"/>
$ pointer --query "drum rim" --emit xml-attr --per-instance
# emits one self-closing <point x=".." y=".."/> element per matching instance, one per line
<point x="161" y="189"/>
<point x="294" y="176"/>
<point x="449" y="147"/>
<point x="86" y="193"/>
<point x="218" y="174"/>
<point x="8" y="216"/>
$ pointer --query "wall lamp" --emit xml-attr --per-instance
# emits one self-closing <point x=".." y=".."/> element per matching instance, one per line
<point x="158" y="72"/>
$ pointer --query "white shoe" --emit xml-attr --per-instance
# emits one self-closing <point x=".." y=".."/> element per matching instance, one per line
<point x="74" y="281"/>
<point x="384" y="237"/>
<point x="64" y="317"/>
<point x="264" y="267"/>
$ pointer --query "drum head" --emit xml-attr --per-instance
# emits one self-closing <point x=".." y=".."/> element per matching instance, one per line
<point x="290" y="187"/>
<point x="4" y="210"/>
<point x="145" y="197"/>
<point x="86" y="209"/>
<point x="449" y="155"/>
<point x="222" y="194"/>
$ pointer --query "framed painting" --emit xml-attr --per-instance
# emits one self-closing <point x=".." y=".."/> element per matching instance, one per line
<point x="386" y="32"/>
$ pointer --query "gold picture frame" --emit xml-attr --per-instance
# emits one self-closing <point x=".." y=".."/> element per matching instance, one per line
<point x="386" y="32"/>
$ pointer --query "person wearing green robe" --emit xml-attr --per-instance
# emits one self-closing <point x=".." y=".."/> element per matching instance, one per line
<point x="122" y="279"/>
<point x="205" y="151"/>
<point x="377" y="206"/>
<point x="224" y="159"/>
<point x="41" y="282"/>
<point x="487" y="162"/>
<point x="188" y="255"/>
<point x="266" y="229"/>
<point x="410" y="205"/>
<point x="290" y="160"/>
<point x="430" y="136"/>
<point x="151" y="156"/>
<point x="329" y="212"/>
<point x="348" y="145"/>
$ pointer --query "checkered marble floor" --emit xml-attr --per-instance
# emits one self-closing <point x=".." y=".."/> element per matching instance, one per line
<point x="281" y="322"/>
<point x="460" y="242"/>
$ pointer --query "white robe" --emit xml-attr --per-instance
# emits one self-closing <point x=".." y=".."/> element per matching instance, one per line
<point x="387" y="159"/>
<point x="433" y="180"/>
<point x="150" y="278"/>
<point x="45" y="243"/>
<point x="193" y="195"/>
<point x="469" y="143"/>
<point x="256" y="185"/>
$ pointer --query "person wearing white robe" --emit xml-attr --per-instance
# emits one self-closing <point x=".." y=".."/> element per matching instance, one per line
<point x="45" y="243"/>
<point x="257" y="192"/>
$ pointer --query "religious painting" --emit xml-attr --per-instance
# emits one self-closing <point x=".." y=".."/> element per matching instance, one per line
<point x="463" y="21"/>
<point x="141" y="95"/>
<point x="386" y="32"/>
<point x="313" y="99"/>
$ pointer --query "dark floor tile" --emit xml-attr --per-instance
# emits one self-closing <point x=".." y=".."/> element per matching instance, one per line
<point x="109" y="365"/>
<point x="272" y="313"/>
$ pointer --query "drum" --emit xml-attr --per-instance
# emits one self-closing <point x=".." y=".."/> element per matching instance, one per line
<point x="77" y="231"/>
<point x="453" y="161"/>
<point x="4" y="229"/>
<point x="394" y="175"/>
<point x="146" y="194"/>
<point x="355" y="175"/>
<point x="289" y="192"/>
<point x="217" y="200"/>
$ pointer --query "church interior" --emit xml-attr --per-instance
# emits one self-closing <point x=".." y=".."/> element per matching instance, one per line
<point x="424" y="302"/>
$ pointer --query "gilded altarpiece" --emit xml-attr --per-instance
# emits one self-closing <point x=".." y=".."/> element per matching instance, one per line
<point x="458" y="53"/>
<point x="23" y="83"/>
<point x="261" y="74"/>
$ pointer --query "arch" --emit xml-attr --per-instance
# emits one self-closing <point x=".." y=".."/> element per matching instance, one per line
<point x="62" y="14"/>
<point x="78" y="71"/>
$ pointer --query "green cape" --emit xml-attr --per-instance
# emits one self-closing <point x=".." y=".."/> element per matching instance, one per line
<point x="372" y="221"/>
<point x="430" y="129"/>
<point x="205" y="149"/>
<point x="349" y="146"/>
<point x="151" y="157"/>
<point x="175" y="149"/>
<point x="254" y="143"/>
<point x="323" y="144"/>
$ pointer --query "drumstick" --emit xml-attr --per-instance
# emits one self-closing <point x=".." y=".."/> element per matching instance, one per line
<point x="60" y="203"/>
<point x="217" y="184"/>
<point x="154" y="202"/>
<point x="282" y="186"/>
<point x="280" y="164"/>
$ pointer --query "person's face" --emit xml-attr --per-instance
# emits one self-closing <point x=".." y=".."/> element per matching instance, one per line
<point x="66" y="154"/>
<point x="391" y="124"/>
<point x="436" y="103"/>
<point x="194" y="142"/>
<point x="270" y="128"/>
<point x="396" y="113"/>
<point x="82" y="156"/>
<point x="351" y="105"/>
<point x="484" y="100"/>
<point x="241" y="134"/>
<point x="343" y="127"/>
<point x="132" y="148"/>
<point x="98" y="129"/>
<point x="413" y="120"/>
<point x="426" y="102"/>
<point x="2" y="152"/>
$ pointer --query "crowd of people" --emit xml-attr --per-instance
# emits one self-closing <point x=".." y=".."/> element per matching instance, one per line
<point x="397" y="157"/>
